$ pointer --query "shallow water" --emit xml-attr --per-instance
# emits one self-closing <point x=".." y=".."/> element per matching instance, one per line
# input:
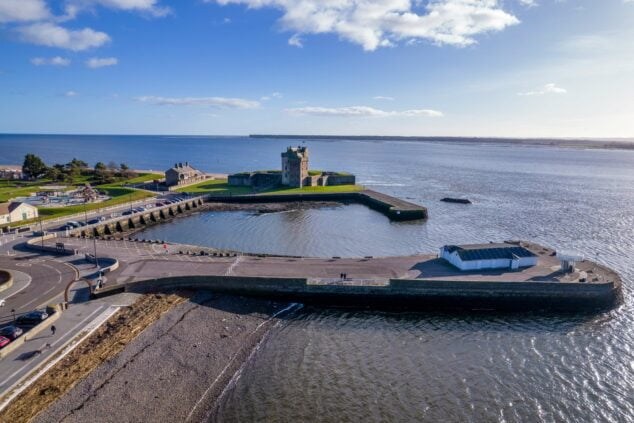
<point x="329" y="365"/>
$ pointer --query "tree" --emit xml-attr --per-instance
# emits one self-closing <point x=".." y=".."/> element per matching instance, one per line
<point x="112" y="166"/>
<point x="78" y="164"/>
<point x="53" y="173"/>
<point x="100" y="169"/>
<point x="33" y="167"/>
<point x="125" y="170"/>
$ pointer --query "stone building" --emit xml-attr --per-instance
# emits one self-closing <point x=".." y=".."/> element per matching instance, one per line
<point x="183" y="174"/>
<point x="294" y="174"/>
<point x="16" y="212"/>
<point x="295" y="166"/>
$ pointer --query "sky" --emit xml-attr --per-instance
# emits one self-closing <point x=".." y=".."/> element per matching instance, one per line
<point x="499" y="68"/>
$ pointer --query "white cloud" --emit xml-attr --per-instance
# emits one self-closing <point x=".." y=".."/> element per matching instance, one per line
<point x="271" y="96"/>
<point x="528" y="3"/>
<point x="100" y="62"/>
<point x="546" y="89"/>
<point x="51" y="35"/>
<point x="71" y="93"/>
<point x="383" y="97"/>
<point x="295" y="41"/>
<point x="73" y="7"/>
<point x="53" y="61"/>
<point x="361" y="111"/>
<point x="23" y="10"/>
<point x="376" y="23"/>
<point x="217" y="102"/>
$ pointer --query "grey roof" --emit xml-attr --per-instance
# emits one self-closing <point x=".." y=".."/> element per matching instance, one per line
<point x="489" y="251"/>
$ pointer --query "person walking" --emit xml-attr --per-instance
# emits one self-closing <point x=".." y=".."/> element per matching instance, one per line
<point x="53" y="330"/>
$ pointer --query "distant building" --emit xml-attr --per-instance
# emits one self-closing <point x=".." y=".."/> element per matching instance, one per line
<point x="16" y="212"/>
<point x="488" y="256"/>
<point x="295" y="166"/>
<point x="11" y="173"/>
<point x="183" y="174"/>
<point x="294" y="174"/>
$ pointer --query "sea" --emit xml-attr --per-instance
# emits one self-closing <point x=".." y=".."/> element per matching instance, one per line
<point x="333" y="365"/>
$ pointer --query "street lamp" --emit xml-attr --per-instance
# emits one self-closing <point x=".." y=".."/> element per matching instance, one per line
<point x="94" y="239"/>
<point x="41" y="232"/>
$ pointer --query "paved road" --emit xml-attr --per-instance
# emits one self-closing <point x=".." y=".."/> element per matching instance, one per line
<point x="48" y="279"/>
<point x="75" y="321"/>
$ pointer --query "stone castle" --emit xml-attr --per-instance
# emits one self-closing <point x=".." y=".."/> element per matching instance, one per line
<point x="295" y="174"/>
<point x="295" y="166"/>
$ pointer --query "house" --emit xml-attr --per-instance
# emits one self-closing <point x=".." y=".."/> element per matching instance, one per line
<point x="11" y="173"/>
<point x="488" y="256"/>
<point x="183" y="174"/>
<point x="16" y="212"/>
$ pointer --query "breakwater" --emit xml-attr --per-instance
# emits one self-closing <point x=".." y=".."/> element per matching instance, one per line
<point x="419" y="294"/>
<point x="393" y="208"/>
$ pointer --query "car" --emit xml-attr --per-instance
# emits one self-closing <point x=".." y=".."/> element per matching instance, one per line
<point x="36" y="316"/>
<point x="127" y="212"/>
<point x="160" y="204"/>
<point x="3" y="302"/>
<point x="73" y="224"/>
<point x="4" y="341"/>
<point x="81" y="224"/>
<point x="11" y="332"/>
<point x="96" y="220"/>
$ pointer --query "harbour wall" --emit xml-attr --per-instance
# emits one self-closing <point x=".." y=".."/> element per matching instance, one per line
<point x="137" y="220"/>
<point x="392" y="207"/>
<point x="416" y="294"/>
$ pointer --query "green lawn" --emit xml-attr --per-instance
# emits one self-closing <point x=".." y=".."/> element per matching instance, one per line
<point x="220" y="187"/>
<point x="216" y="187"/>
<point x="329" y="188"/>
<point x="11" y="189"/>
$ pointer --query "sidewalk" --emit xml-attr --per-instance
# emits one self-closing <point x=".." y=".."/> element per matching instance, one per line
<point x="18" y="368"/>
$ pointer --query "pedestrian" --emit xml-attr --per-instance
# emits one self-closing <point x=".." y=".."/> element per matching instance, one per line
<point x="53" y="329"/>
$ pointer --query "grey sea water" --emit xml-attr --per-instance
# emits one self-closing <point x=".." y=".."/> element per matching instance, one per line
<point x="333" y="365"/>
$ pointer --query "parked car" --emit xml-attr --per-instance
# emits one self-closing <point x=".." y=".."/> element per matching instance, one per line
<point x="66" y="227"/>
<point x="4" y="341"/>
<point x="73" y="224"/>
<point x="127" y="212"/>
<point x="96" y="220"/>
<point x="32" y="317"/>
<point x="11" y="332"/>
<point x="81" y="224"/>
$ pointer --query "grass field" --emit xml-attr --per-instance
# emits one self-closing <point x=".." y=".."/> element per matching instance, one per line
<point x="216" y="187"/>
<point x="220" y="187"/>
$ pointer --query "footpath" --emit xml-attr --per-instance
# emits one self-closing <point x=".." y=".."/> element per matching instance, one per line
<point x="24" y="365"/>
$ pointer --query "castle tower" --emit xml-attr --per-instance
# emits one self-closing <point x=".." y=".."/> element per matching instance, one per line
<point x="294" y="166"/>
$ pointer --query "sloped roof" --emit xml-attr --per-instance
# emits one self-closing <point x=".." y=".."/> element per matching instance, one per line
<point x="6" y="208"/>
<point x="489" y="251"/>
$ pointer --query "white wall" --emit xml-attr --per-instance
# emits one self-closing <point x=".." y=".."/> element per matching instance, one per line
<point x="454" y="259"/>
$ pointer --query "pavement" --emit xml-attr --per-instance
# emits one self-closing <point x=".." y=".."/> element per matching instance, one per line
<point x="36" y="351"/>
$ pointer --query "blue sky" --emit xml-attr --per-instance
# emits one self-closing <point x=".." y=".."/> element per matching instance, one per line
<point x="524" y="68"/>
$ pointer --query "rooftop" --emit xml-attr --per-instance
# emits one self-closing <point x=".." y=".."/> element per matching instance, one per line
<point x="472" y="252"/>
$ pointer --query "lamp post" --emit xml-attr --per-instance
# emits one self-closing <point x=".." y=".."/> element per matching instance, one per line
<point x="94" y="239"/>
<point x="41" y="233"/>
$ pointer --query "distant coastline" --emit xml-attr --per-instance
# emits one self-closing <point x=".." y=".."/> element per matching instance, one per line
<point x="608" y="143"/>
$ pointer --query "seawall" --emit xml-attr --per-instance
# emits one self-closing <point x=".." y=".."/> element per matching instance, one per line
<point x="416" y="294"/>
<point x="393" y="208"/>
